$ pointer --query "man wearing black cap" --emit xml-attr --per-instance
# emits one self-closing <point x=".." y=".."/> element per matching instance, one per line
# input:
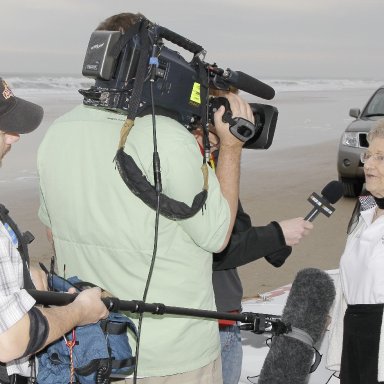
<point x="16" y="116"/>
<point x="24" y="328"/>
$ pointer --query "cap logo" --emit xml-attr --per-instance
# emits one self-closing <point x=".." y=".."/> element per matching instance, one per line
<point x="7" y="93"/>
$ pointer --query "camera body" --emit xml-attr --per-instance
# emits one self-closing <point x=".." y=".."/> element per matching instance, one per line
<point x="177" y="85"/>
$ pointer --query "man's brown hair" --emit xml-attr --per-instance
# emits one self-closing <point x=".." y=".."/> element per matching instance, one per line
<point x="120" y="22"/>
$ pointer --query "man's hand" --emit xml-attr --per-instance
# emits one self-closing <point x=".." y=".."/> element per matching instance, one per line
<point x="92" y="309"/>
<point x="295" y="229"/>
<point x="39" y="279"/>
<point x="239" y="108"/>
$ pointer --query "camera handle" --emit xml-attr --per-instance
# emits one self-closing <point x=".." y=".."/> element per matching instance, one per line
<point x="179" y="40"/>
<point x="241" y="128"/>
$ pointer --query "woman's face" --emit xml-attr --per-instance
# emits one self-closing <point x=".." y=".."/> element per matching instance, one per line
<point x="374" y="167"/>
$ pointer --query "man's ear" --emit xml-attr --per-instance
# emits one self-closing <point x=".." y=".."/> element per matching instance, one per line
<point x="198" y="133"/>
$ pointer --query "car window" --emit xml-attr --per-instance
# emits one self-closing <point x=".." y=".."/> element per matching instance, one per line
<point x="376" y="104"/>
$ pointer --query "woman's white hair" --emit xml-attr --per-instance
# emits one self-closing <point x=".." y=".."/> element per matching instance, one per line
<point x="376" y="131"/>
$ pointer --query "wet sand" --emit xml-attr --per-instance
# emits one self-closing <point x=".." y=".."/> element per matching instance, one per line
<point x="280" y="191"/>
<point x="276" y="191"/>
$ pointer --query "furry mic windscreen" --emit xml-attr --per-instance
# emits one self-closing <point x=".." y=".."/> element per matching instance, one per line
<point x="289" y="360"/>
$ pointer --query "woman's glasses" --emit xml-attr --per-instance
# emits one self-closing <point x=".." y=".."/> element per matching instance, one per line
<point x="365" y="156"/>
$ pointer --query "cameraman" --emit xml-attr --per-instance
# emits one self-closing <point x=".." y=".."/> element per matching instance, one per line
<point x="104" y="234"/>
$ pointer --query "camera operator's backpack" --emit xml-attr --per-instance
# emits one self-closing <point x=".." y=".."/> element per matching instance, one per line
<point x="89" y="354"/>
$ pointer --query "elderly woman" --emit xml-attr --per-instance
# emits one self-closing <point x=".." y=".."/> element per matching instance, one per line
<point x="357" y="332"/>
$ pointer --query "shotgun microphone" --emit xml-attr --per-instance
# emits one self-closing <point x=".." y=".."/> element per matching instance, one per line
<point x="330" y="194"/>
<point x="249" y="84"/>
<point x="305" y="314"/>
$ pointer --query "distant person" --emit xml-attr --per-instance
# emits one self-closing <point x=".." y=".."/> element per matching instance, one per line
<point x="25" y="328"/>
<point x="104" y="233"/>
<point x="247" y="244"/>
<point x="356" y="346"/>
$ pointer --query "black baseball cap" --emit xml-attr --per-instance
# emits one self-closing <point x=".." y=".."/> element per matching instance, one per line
<point x="16" y="114"/>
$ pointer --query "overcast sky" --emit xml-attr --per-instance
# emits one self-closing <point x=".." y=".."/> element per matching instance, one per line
<point x="265" y="38"/>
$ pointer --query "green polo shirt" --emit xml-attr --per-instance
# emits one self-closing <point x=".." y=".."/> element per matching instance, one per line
<point x="104" y="234"/>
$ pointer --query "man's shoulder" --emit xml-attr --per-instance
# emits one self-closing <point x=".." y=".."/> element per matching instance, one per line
<point x="85" y="113"/>
<point x="168" y="130"/>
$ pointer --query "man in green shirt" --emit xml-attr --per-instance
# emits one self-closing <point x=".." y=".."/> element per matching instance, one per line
<point x="104" y="234"/>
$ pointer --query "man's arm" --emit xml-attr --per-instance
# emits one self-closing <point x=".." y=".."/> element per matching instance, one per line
<point x="250" y="245"/>
<point x="228" y="167"/>
<point x="85" y="309"/>
<point x="272" y="241"/>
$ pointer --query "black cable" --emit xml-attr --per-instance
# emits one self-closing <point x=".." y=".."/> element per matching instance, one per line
<point x="205" y="126"/>
<point x="158" y="187"/>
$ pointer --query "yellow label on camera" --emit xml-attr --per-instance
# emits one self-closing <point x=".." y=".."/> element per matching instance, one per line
<point x="195" y="94"/>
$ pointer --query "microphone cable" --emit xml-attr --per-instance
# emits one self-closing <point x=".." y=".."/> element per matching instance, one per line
<point x="154" y="62"/>
<point x="158" y="188"/>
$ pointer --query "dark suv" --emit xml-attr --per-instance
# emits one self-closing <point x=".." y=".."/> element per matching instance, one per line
<point x="354" y="141"/>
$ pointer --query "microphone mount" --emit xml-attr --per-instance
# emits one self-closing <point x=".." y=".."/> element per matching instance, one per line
<point x="255" y="322"/>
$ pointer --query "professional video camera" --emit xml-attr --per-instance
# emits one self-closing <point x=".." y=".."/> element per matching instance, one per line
<point x="115" y="61"/>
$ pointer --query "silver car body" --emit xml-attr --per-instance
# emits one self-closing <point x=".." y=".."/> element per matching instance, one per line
<point x="354" y="141"/>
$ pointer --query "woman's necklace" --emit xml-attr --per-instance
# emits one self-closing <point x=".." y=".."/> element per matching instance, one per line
<point x="379" y="201"/>
<point x="380" y="207"/>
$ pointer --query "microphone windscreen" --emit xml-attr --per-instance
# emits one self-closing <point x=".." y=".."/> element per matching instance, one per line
<point x="309" y="301"/>
<point x="333" y="191"/>
<point x="251" y="85"/>
<point x="289" y="359"/>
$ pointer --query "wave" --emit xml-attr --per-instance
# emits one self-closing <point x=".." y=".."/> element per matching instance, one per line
<point x="43" y="84"/>
<point x="321" y="84"/>
<point x="30" y="84"/>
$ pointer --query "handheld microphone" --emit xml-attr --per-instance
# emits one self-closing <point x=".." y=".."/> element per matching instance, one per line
<point x="331" y="194"/>
<point x="289" y="359"/>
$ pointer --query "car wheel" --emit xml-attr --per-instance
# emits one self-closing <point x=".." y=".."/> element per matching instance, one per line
<point x="352" y="188"/>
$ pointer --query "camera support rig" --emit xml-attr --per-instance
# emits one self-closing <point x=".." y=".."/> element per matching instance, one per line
<point x="255" y="322"/>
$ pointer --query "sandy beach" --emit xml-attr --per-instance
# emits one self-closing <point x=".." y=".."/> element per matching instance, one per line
<point x="275" y="183"/>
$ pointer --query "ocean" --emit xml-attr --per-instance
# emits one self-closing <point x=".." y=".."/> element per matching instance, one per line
<point x="69" y="84"/>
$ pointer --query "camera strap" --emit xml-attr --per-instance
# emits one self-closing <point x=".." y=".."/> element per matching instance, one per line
<point x="141" y="187"/>
<point x="23" y="239"/>
<point x="125" y="38"/>
<point x="128" y="169"/>
<point x="204" y="92"/>
<point x="137" y="91"/>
